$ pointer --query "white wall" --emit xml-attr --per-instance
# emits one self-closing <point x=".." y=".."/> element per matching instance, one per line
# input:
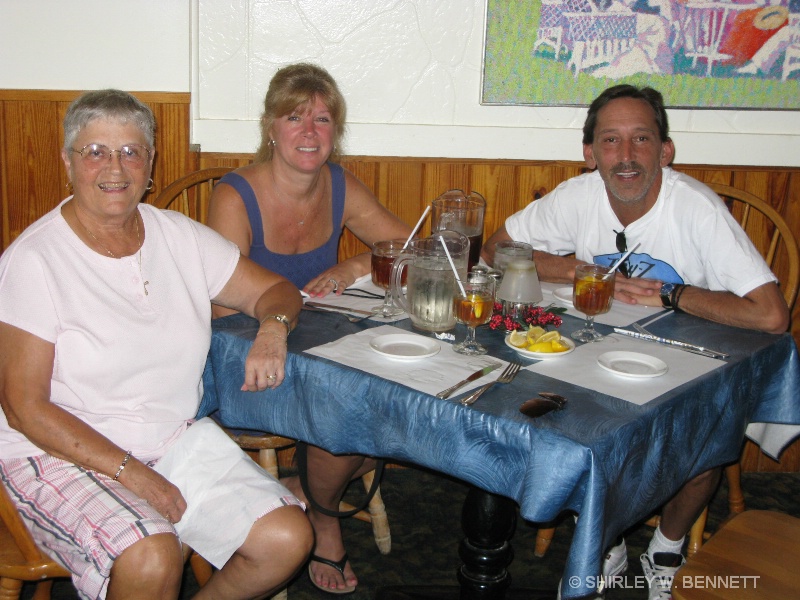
<point x="410" y="70"/>
<point x="141" y="45"/>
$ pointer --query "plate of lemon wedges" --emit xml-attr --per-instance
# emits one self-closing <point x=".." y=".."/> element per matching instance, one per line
<point x="536" y="342"/>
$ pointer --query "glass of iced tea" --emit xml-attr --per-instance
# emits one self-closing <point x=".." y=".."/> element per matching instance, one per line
<point x="472" y="308"/>
<point x="383" y="255"/>
<point x="592" y="295"/>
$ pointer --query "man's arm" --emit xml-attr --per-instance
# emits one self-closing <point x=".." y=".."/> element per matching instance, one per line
<point x="487" y="250"/>
<point x="549" y="267"/>
<point x="762" y="309"/>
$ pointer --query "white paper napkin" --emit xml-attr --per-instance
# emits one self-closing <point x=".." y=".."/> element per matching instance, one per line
<point x="430" y="375"/>
<point x="772" y="437"/>
<point x="581" y="368"/>
<point x="362" y="283"/>
<point x="620" y="315"/>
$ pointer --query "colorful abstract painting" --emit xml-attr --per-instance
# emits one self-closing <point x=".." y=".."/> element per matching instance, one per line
<point x="697" y="53"/>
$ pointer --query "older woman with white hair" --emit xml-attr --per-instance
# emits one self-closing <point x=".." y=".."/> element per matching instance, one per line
<point x="105" y="310"/>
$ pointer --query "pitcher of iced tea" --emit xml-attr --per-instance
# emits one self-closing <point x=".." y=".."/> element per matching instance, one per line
<point x="430" y="284"/>
<point x="458" y="211"/>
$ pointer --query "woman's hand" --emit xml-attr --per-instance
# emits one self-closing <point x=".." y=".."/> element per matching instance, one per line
<point x="146" y="483"/>
<point x="264" y="365"/>
<point x="336" y="279"/>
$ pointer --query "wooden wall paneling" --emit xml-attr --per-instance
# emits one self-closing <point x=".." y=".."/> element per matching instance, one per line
<point x="443" y="175"/>
<point x="493" y="181"/>
<point x="400" y="189"/>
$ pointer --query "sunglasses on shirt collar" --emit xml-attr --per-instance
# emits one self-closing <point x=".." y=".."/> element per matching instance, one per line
<point x="622" y="246"/>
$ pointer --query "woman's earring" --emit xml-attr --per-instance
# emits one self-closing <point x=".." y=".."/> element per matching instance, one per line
<point x="69" y="187"/>
<point x="272" y="142"/>
<point x="150" y="184"/>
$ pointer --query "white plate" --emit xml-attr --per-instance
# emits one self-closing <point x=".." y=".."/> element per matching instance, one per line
<point x="632" y="364"/>
<point x="543" y="355"/>
<point x="404" y="346"/>
<point x="564" y="295"/>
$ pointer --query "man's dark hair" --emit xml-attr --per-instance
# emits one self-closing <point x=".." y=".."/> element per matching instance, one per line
<point x="648" y="94"/>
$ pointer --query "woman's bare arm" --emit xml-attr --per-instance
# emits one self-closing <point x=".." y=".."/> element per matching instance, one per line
<point x="26" y="366"/>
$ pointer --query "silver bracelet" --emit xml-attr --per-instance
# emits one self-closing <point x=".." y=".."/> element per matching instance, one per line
<point x="122" y="465"/>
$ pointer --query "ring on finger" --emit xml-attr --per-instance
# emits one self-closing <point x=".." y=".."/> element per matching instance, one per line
<point x="272" y="377"/>
<point x="335" y="284"/>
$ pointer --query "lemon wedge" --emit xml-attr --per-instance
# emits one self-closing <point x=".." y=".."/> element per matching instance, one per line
<point x="559" y="346"/>
<point x="534" y="333"/>
<point x="546" y="347"/>
<point x="550" y="336"/>
<point x="518" y="339"/>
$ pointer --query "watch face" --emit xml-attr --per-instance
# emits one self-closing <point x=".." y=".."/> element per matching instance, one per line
<point x="666" y="290"/>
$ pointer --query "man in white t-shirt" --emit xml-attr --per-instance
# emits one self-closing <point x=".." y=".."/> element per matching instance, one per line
<point x="692" y="256"/>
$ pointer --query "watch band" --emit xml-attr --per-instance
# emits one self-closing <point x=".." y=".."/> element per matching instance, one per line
<point x="281" y="319"/>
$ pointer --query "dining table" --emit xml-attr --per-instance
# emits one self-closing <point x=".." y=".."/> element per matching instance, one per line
<point x="623" y="444"/>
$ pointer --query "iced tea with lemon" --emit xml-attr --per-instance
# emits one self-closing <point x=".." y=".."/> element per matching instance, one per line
<point x="593" y="294"/>
<point x="473" y="309"/>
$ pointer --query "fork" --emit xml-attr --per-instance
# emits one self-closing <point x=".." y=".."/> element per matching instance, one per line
<point x="507" y="376"/>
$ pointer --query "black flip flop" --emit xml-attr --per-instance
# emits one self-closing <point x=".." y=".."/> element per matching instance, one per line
<point x="339" y="566"/>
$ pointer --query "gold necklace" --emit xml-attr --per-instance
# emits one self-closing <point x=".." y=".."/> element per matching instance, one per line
<point x="112" y="255"/>
<point x="311" y="204"/>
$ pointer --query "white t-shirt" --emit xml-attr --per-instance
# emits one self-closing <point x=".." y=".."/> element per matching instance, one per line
<point x="128" y="364"/>
<point x="687" y="237"/>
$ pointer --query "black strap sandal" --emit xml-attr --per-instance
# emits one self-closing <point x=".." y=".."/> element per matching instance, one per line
<point x="338" y="565"/>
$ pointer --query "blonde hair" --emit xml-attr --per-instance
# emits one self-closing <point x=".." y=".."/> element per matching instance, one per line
<point x="294" y="86"/>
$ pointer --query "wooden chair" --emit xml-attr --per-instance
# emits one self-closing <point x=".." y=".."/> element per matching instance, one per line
<point x="21" y="559"/>
<point x="190" y="195"/>
<point x="754" y="556"/>
<point x="776" y="242"/>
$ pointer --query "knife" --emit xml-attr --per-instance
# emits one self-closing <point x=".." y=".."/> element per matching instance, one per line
<point x="676" y="343"/>
<point x="335" y="308"/>
<point x="476" y="375"/>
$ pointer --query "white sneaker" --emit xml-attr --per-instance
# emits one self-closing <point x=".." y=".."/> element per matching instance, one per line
<point x="615" y="562"/>
<point x="659" y="572"/>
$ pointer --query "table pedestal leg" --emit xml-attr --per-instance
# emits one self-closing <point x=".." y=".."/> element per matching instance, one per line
<point x="488" y="521"/>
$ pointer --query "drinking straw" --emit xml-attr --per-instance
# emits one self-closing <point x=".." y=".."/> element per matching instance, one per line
<point x="453" y="266"/>
<point x="414" y="231"/>
<point x="621" y="260"/>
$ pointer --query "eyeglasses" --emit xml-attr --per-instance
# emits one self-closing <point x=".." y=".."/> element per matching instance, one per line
<point x="132" y="155"/>
<point x="622" y="246"/>
<point x="545" y="403"/>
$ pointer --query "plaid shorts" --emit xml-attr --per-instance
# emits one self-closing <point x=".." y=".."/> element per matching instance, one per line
<point x="85" y="520"/>
<point x="82" y="519"/>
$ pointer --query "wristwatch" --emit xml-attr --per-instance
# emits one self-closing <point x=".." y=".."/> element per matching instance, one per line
<point x="281" y="319"/>
<point x="666" y="294"/>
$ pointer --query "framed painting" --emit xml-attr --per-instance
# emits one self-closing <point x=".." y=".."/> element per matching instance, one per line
<point x="717" y="54"/>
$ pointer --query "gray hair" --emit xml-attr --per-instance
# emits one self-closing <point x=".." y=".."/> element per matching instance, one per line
<point x="108" y="104"/>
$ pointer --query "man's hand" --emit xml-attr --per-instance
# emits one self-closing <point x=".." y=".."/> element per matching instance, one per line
<point x="637" y="290"/>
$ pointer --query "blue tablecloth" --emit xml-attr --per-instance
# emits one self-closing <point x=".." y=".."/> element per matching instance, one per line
<point x="608" y="460"/>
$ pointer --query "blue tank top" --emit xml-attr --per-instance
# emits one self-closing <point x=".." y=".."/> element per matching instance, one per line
<point x="297" y="268"/>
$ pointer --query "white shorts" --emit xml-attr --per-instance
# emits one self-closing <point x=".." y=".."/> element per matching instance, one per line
<point x="85" y="520"/>
<point x="225" y="490"/>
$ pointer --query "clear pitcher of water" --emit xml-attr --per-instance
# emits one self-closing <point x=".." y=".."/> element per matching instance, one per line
<point x="431" y="285"/>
